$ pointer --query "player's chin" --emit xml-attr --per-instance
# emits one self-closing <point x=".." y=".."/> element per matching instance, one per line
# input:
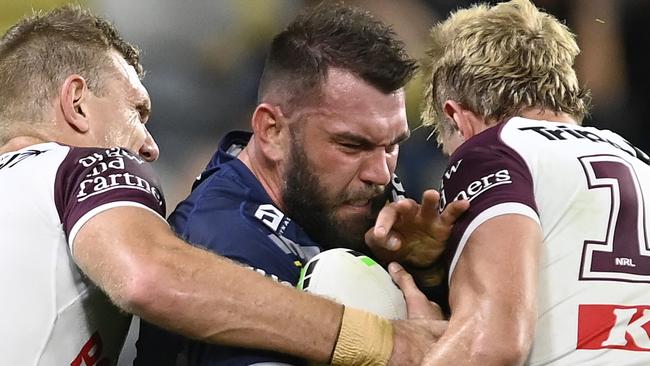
<point x="355" y="219"/>
<point x="352" y="226"/>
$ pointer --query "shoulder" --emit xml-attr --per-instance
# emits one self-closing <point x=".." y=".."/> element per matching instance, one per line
<point x="35" y="158"/>
<point x="217" y="203"/>
<point x="90" y="180"/>
<point x="483" y="164"/>
<point x="94" y="172"/>
<point x="493" y="176"/>
<point x="235" y="218"/>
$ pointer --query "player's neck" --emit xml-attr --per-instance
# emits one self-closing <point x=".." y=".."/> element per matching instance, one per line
<point x="20" y="142"/>
<point x="268" y="177"/>
<point x="548" y="115"/>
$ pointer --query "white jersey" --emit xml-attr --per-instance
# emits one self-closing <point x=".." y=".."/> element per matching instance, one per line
<point x="589" y="190"/>
<point x="50" y="313"/>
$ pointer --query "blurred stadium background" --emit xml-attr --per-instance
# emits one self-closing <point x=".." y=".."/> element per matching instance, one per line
<point x="204" y="59"/>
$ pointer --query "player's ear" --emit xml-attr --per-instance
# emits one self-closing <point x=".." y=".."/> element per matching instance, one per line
<point x="459" y="117"/>
<point x="270" y="130"/>
<point x="73" y="96"/>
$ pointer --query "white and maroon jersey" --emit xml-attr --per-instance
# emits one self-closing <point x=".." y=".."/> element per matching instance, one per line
<point x="50" y="313"/>
<point x="589" y="190"/>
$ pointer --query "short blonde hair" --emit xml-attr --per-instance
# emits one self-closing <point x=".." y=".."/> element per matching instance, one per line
<point x="498" y="61"/>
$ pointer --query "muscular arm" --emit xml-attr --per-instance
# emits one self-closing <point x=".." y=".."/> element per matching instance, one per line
<point x="493" y="296"/>
<point x="146" y="270"/>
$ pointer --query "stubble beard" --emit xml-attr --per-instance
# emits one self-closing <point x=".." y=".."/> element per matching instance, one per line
<point x="307" y="203"/>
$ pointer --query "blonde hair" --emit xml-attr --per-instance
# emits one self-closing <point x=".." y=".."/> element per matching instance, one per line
<point x="498" y="61"/>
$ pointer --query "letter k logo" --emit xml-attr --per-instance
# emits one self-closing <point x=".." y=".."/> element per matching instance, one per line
<point x="624" y="325"/>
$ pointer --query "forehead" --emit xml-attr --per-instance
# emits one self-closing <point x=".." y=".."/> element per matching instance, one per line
<point x="349" y="104"/>
<point x="127" y="78"/>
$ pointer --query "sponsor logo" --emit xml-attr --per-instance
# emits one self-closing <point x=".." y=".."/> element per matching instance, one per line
<point x="477" y="187"/>
<point x="101" y="184"/>
<point x="564" y="133"/>
<point x="278" y="222"/>
<point x="622" y="261"/>
<point x="91" y="353"/>
<point x="614" y="327"/>
<point x="99" y="181"/>
<point x="10" y="161"/>
<point x="452" y="169"/>
<point x="111" y="153"/>
<point x="270" y="216"/>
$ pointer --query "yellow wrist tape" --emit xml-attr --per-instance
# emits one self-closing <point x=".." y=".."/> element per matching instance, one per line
<point x="365" y="339"/>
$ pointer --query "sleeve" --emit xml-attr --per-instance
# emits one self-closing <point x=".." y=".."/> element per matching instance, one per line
<point x="494" y="179"/>
<point x="92" y="180"/>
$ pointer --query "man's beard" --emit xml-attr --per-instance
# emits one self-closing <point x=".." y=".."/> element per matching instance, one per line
<point x="307" y="204"/>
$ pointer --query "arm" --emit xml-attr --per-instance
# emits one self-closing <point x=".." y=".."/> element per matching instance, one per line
<point x="493" y="296"/>
<point x="145" y="269"/>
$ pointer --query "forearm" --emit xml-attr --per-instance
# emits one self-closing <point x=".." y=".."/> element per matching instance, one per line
<point x="222" y="302"/>
<point x="480" y="341"/>
<point x="200" y="295"/>
<point x="493" y="296"/>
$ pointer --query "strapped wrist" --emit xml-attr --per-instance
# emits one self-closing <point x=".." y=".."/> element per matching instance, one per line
<point x="364" y="339"/>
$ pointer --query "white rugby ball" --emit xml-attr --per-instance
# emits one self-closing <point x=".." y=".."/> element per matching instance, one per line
<point x="354" y="280"/>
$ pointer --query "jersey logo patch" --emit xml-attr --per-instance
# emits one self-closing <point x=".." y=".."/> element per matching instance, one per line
<point x="11" y="160"/>
<point x="91" y="353"/>
<point x="614" y="327"/>
<point x="270" y="216"/>
<point x="109" y="172"/>
<point x="477" y="187"/>
<point x="452" y="169"/>
<point x="563" y="133"/>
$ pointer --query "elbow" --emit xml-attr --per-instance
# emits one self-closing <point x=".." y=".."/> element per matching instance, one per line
<point x="510" y="346"/>
<point x="129" y="279"/>
<point x="137" y="291"/>
<point x="503" y="353"/>
<point x="135" y="264"/>
<point x="156" y="287"/>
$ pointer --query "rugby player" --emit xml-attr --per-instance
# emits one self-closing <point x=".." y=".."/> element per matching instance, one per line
<point x="311" y="176"/>
<point x="83" y="223"/>
<point x="550" y="265"/>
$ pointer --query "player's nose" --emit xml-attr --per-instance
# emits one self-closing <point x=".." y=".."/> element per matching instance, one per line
<point x="149" y="150"/>
<point x="376" y="169"/>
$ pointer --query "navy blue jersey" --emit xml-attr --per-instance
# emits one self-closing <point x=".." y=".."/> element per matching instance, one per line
<point x="230" y="213"/>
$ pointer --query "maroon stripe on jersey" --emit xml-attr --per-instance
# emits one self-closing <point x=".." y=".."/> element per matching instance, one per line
<point x="90" y="177"/>
<point x="487" y="172"/>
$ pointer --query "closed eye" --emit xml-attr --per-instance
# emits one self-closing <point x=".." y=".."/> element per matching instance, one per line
<point x="355" y="146"/>
<point x="144" y="112"/>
